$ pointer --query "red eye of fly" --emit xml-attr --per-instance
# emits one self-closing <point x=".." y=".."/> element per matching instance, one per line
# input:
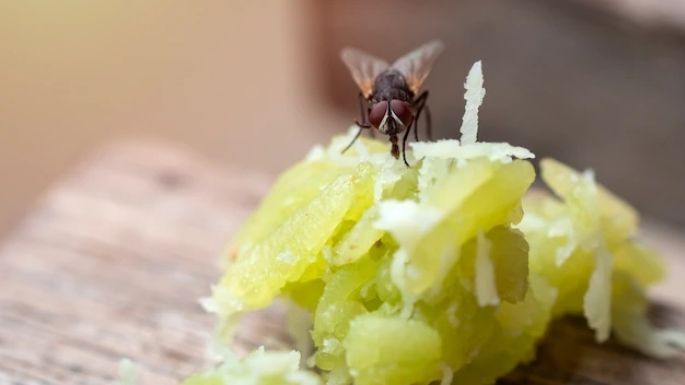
<point x="403" y="111"/>
<point x="378" y="113"/>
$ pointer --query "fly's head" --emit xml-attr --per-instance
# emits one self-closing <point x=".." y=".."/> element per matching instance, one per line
<point x="391" y="117"/>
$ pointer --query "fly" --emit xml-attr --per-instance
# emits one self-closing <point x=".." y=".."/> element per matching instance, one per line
<point x="389" y="98"/>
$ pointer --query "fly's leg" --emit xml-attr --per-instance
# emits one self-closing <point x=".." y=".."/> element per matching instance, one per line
<point x="356" y="136"/>
<point x="363" y="111"/>
<point x="419" y="105"/>
<point x="404" y="142"/>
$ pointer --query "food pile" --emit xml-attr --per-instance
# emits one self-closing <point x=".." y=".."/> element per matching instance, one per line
<point x="449" y="271"/>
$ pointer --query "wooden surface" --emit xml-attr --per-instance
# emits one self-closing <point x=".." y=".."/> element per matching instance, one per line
<point x="111" y="262"/>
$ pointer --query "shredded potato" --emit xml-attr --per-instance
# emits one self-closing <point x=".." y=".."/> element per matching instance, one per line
<point x="446" y="271"/>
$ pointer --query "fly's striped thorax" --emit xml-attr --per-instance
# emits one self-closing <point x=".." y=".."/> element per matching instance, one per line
<point x="391" y="85"/>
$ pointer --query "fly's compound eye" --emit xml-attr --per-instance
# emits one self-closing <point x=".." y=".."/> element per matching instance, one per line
<point x="403" y="111"/>
<point x="377" y="113"/>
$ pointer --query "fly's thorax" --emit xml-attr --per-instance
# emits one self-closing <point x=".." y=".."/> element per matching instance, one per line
<point x="390" y="85"/>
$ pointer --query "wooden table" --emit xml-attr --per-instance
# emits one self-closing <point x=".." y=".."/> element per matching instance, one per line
<point x="112" y="261"/>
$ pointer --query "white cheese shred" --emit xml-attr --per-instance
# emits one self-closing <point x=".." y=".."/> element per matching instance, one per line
<point x="474" y="98"/>
<point x="128" y="372"/>
<point x="597" y="300"/>
<point x="486" y="287"/>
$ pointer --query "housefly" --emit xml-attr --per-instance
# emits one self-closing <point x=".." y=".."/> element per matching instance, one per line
<point x="389" y="98"/>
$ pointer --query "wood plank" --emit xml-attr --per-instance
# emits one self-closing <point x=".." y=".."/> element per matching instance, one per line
<point x="111" y="262"/>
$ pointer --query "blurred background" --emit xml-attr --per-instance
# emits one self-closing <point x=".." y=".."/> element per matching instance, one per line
<point x="254" y="84"/>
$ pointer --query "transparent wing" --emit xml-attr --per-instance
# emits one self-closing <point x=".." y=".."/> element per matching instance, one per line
<point x="417" y="64"/>
<point x="363" y="67"/>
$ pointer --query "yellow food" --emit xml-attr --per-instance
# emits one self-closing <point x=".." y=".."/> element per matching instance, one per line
<point x="446" y="271"/>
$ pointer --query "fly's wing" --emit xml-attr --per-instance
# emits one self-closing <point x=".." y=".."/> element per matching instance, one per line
<point x="363" y="67"/>
<point x="417" y="64"/>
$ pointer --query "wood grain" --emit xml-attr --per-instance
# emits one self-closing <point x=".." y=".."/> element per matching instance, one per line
<point x="111" y="262"/>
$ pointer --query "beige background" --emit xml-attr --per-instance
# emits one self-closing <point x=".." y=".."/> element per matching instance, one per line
<point x="230" y="78"/>
<point x="587" y="82"/>
<point x="255" y="83"/>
